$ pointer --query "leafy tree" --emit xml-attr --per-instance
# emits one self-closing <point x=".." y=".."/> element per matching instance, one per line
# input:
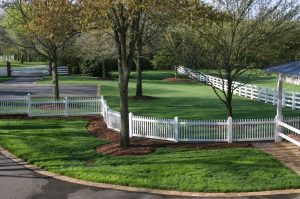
<point x="233" y="44"/>
<point x="123" y="18"/>
<point x="49" y="25"/>
<point x="96" y="47"/>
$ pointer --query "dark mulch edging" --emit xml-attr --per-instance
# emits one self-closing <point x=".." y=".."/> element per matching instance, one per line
<point x="173" y="79"/>
<point x="143" y="146"/>
<point x="26" y="117"/>
<point x="144" y="97"/>
<point x="14" y="116"/>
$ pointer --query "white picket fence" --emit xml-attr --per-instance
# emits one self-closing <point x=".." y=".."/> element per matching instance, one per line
<point x="177" y="130"/>
<point x="75" y="106"/>
<point x="262" y="94"/>
<point x="181" y="130"/>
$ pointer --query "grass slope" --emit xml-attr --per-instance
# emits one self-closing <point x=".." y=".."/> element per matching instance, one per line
<point x="4" y="78"/>
<point x="65" y="147"/>
<point x="25" y="64"/>
<point x="186" y="100"/>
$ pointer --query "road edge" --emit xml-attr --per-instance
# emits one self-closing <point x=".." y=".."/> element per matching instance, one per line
<point x="143" y="190"/>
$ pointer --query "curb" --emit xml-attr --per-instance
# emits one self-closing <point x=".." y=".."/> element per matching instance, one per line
<point x="144" y="190"/>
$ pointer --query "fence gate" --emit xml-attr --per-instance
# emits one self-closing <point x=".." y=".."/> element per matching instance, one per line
<point x="289" y="130"/>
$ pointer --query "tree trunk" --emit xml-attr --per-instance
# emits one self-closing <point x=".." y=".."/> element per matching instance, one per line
<point x="28" y="56"/>
<point x="50" y="67"/>
<point x="8" y="68"/>
<point x="139" y="48"/>
<point x="123" y="88"/>
<point x="124" y="72"/>
<point x="22" y="58"/>
<point x="55" y="79"/>
<point x="139" y="86"/>
<point x="229" y="98"/>
<point x="103" y="70"/>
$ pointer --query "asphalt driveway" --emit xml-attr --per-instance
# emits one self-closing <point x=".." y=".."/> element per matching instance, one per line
<point x="23" y="85"/>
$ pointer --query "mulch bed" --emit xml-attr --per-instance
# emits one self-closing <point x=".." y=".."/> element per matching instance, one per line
<point x="173" y="79"/>
<point x="14" y="116"/>
<point x="142" y="146"/>
<point x="145" y="97"/>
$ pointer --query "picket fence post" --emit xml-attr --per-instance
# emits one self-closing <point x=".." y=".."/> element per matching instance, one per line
<point x="130" y="124"/>
<point x="278" y="129"/>
<point x="176" y="122"/>
<point x="66" y="107"/>
<point x="229" y="130"/>
<point x="29" y="104"/>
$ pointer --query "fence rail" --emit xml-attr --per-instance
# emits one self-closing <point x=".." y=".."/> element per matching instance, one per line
<point x="261" y="94"/>
<point x="177" y="130"/>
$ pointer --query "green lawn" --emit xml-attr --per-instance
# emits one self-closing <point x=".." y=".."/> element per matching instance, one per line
<point x="4" y="78"/>
<point x="65" y="147"/>
<point x="186" y="100"/>
<point x="25" y="64"/>
<point x="264" y="79"/>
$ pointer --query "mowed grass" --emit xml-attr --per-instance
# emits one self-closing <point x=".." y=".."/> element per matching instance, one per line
<point x="25" y="64"/>
<point x="65" y="147"/>
<point x="4" y="78"/>
<point x="262" y="78"/>
<point x="186" y="100"/>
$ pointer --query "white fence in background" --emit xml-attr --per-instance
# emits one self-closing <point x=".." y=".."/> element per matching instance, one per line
<point x="261" y="94"/>
<point x="176" y="129"/>
<point x="75" y="106"/>
<point x="63" y="70"/>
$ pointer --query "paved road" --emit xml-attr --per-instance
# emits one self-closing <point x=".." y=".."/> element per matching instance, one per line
<point x="23" y="85"/>
<point x="18" y="182"/>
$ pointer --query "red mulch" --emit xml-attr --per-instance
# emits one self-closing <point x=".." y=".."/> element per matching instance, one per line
<point x="142" y="146"/>
<point x="173" y="79"/>
<point x="144" y="97"/>
<point x="295" y="137"/>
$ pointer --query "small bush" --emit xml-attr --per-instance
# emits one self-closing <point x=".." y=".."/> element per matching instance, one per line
<point x="94" y="68"/>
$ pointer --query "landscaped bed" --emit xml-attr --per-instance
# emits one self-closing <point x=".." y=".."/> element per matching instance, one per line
<point x="66" y="147"/>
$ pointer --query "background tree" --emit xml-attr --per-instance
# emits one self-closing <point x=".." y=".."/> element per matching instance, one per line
<point x="233" y="44"/>
<point x="96" y="47"/>
<point x="49" y="25"/>
<point x="121" y="17"/>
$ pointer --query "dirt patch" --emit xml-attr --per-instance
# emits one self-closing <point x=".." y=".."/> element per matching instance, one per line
<point x="145" y="97"/>
<point x="173" y="79"/>
<point x="10" y="117"/>
<point x="142" y="146"/>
